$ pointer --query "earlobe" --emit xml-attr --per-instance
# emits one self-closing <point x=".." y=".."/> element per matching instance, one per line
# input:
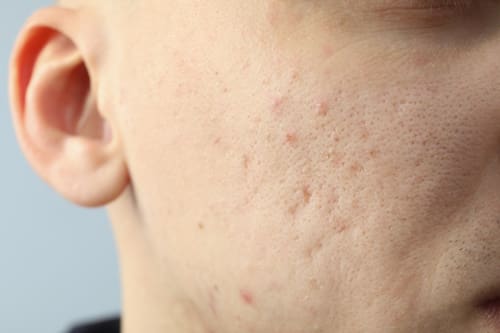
<point x="60" y="128"/>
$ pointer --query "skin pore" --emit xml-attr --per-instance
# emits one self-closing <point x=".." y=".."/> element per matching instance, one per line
<point x="277" y="166"/>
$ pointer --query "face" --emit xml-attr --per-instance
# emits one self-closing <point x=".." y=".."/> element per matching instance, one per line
<point x="317" y="166"/>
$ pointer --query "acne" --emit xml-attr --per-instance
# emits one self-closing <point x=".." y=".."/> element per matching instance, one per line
<point x="355" y="168"/>
<point x="305" y="199"/>
<point x="278" y="105"/>
<point x="247" y="297"/>
<point x="373" y="153"/>
<point x="306" y="193"/>
<point x="246" y="162"/>
<point x="420" y="60"/>
<point x="291" y="138"/>
<point x="323" y="108"/>
<point x="201" y="226"/>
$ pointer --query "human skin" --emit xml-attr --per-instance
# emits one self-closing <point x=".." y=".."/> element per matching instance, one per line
<point x="279" y="166"/>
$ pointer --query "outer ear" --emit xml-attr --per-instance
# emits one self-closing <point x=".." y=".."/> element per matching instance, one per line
<point x="62" y="132"/>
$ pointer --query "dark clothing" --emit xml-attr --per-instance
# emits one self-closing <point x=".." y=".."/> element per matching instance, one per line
<point x="109" y="325"/>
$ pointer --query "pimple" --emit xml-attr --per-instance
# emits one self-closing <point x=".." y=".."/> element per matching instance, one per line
<point x="420" y="60"/>
<point x="246" y="162"/>
<point x="306" y="192"/>
<point x="373" y="153"/>
<point x="291" y="138"/>
<point x="365" y="134"/>
<point x="217" y="140"/>
<point x="337" y="159"/>
<point x="292" y="210"/>
<point x="323" y="109"/>
<point x="246" y="297"/>
<point x="277" y="106"/>
<point x="355" y="168"/>
<point x="340" y="225"/>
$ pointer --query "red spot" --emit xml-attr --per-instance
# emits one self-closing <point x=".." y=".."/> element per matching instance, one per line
<point x="373" y="153"/>
<point x="306" y="192"/>
<point x="323" y="108"/>
<point x="246" y="161"/>
<point x="327" y="50"/>
<point x="291" y="138"/>
<point x="247" y="297"/>
<point x="277" y="106"/>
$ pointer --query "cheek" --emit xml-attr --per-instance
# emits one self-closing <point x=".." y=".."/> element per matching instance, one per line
<point x="289" y="177"/>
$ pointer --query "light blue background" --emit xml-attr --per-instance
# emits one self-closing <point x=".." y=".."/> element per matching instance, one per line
<point x="58" y="263"/>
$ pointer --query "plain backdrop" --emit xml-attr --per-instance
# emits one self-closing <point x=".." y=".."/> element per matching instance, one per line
<point x="58" y="264"/>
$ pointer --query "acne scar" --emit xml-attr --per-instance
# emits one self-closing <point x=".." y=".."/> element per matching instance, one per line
<point x="246" y="297"/>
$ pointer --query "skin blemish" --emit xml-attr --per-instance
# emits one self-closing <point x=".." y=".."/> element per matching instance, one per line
<point x="340" y="225"/>
<point x="337" y="159"/>
<point x="306" y="192"/>
<point x="217" y="140"/>
<point x="323" y="109"/>
<point x="201" y="226"/>
<point x="246" y="162"/>
<point x="306" y="197"/>
<point x="355" y="168"/>
<point x="373" y="153"/>
<point x="277" y="106"/>
<point x="246" y="297"/>
<point x="291" y="138"/>
<point x="292" y="210"/>
<point x="365" y="134"/>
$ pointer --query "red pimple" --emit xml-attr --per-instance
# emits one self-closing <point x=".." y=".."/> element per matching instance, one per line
<point x="323" y="108"/>
<point x="247" y="297"/>
<point x="277" y="106"/>
<point x="291" y="137"/>
<point x="306" y="192"/>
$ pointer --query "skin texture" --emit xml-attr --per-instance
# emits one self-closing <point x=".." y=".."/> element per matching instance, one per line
<point x="278" y="166"/>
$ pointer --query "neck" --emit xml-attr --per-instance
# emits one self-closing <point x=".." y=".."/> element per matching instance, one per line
<point x="150" y="300"/>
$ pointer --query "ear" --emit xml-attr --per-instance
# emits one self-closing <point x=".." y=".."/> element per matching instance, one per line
<point x="54" y="77"/>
